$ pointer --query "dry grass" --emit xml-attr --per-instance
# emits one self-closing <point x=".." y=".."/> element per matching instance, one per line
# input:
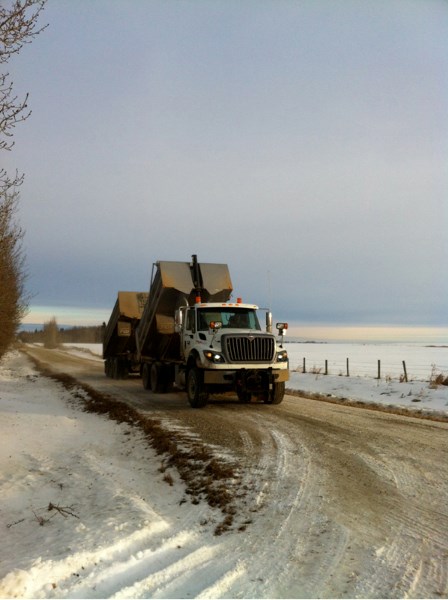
<point x="436" y="378"/>
<point x="316" y="370"/>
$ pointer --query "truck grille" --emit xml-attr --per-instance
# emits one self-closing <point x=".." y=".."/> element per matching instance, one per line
<point x="248" y="348"/>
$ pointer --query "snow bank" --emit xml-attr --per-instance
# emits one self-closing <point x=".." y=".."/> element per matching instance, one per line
<point x="417" y="396"/>
<point x="87" y="493"/>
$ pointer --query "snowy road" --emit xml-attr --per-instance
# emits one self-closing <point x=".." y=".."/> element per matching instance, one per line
<point x="340" y="502"/>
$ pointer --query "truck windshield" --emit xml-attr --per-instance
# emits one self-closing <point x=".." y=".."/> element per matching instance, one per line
<point x="238" y="318"/>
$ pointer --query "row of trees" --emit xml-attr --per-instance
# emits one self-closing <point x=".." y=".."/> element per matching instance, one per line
<point x="18" y="27"/>
<point x="52" y="335"/>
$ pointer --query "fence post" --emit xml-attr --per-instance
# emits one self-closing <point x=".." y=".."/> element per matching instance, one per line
<point x="405" y="371"/>
<point x="304" y="365"/>
<point x="326" y="367"/>
<point x="379" y="369"/>
<point x="348" y="370"/>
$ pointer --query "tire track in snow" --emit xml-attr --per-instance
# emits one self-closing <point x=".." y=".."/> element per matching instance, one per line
<point x="293" y="522"/>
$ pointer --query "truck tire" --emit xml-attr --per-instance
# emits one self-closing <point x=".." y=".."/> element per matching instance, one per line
<point x="243" y="396"/>
<point x="146" y="376"/>
<point x="157" y="382"/>
<point x="197" y="397"/>
<point x="168" y="378"/>
<point x="124" y="369"/>
<point x="119" y="368"/>
<point x="115" y="369"/>
<point x="275" y="396"/>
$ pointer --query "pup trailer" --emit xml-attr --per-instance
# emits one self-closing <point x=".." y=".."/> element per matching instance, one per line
<point x="191" y="335"/>
<point x="119" y="349"/>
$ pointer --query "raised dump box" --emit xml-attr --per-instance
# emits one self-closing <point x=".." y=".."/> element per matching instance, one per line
<point x="119" y="346"/>
<point x="176" y="284"/>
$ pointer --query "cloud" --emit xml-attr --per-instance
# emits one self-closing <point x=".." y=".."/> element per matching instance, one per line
<point x="304" y="144"/>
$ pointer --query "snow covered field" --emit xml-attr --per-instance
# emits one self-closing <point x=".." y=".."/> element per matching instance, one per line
<point x="363" y="358"/>
<point x="422" y="363"/>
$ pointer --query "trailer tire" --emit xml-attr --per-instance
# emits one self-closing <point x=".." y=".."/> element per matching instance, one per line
<point x="197" y="397"/>
<point x="146" y="376"/>
<point x="119" y="368"/>
<point x="115" y="369"/>
<point x="244" y="397"/>
<point x="124" y="369"/>
<point x="275" y="396"/>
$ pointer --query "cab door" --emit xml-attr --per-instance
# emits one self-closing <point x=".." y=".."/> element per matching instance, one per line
<point x="188" y="331"/>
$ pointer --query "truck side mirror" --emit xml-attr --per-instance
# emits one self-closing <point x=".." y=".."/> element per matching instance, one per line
<point x="281" y="328"/>
<point x="215" y="325"/>
<point x="178" y="320"/>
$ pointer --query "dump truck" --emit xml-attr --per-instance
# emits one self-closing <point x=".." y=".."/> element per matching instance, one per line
<point x="191" y="335"/>
<point x="119" y="345"/>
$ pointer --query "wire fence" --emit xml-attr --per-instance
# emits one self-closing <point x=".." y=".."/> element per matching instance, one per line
<point x="381" y="362"/>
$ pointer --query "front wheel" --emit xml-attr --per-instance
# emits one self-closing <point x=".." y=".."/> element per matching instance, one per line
<point x="197" y="397"/>
<point x="275" y="396"/>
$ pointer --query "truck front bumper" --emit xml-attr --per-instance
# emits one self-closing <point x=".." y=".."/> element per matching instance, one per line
<point x="230" y="377"/>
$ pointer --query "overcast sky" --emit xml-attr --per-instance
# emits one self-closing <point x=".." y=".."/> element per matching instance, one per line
<point x="304" y="143"/>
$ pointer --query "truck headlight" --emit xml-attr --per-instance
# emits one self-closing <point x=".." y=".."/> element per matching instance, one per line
<point x="214" y="357"/>
<point x="282" y="356"/>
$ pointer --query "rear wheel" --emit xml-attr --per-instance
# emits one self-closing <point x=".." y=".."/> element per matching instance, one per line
<point x="146" y="376"/>
<point x="275" y="396"/>
<point x="243" y="396"/>
<point x="115" y="369"/>
<point x="156" y="379"/>
<point x="197" y="397"/>
<point x="118" y="368"/>
<point x="168" y="377"/>
<point x="123" y="368"/>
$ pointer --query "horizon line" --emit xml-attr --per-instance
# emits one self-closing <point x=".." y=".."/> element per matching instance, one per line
<point x="319" y="331"/>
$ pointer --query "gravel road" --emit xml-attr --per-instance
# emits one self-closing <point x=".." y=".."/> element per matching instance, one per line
<point x="353" y="502"/>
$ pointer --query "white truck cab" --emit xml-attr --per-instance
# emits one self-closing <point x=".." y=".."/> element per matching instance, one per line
<point x="193" y="335"/>
<point x="224" y="346"/>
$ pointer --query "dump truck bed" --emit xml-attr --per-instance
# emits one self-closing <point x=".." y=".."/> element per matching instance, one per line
<point x="119" y="335"/>
<point x="175" y="284"/>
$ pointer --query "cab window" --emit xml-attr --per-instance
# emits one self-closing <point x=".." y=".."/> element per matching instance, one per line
<point x="230" y="319"/>
<point x="190" y="325"/>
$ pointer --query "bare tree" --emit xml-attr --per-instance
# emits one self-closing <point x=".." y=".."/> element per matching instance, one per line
<point x="18" y="26"/>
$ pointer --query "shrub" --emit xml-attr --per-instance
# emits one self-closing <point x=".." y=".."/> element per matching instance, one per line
<point x="51" y="334"/>
<point x="436" y="378"/>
